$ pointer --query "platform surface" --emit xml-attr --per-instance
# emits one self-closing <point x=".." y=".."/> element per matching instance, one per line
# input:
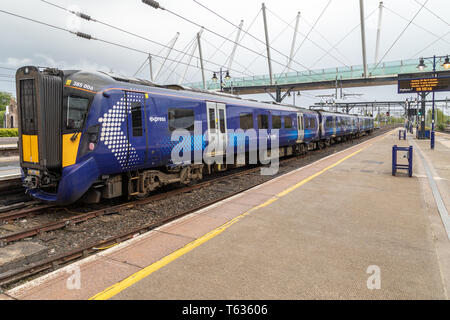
<point x="311" y="234"/>
<point x="9" y="140"/>
<point x="9" y="167"/>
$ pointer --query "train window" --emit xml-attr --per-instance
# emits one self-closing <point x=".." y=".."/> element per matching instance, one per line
<point x="212" y="119"/>
<point x="28" y="106"/>
<point x="312" y="123"/>
<point x="276" y="122"/>
<point x="263" y="121"/>
<point x="329" y="123"/>
<point x="307" y="124"/>
<point x="136" y="119"/>
<point x="76" y="111"/>
<point x="246" y="121"/>
<point x="181" y="119"/>
<point x="222" y="120"/>
<point x="287" y="122"/>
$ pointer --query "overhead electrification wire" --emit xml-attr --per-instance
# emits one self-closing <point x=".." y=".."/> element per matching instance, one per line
<point x="257" y="39"/>
<point x="248" y="29"/>
<point x="273" y="41"/>
<point x="239" y="44"/>
<point x="400" y="35"/>
<point x="312" y="41"/>
<point x="226" y="55"/>
<point x="89" y="37"/>
<point x="311" y="72"/>
<point x="190" y="44"/>
<point x="8" y="68"/>
<point x="186" y="49"/>
<point x="171" y="72"/>
<point x="434" y="14"/>
<point x="309" y="32"/>
<point x="429" y="45"/>
<point x="326" y="40"/>
<point x="143" y="64"/>
<point x="343" y="38"/>
<point x="166" y="67"/>
<point x="250" y="25"/>
<point x="140" y="51"/>
<point x="413" y="23"/>
<point x="40" y="22"/>
<point x="89" y="18"/>
<point x="219" y="49"/>
<point x="213" y="32"/>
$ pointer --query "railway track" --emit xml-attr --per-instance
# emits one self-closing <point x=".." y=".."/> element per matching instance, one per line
<point x="10" y="185"/>
<point x="26" y="210"/>
<point x="13" y="276"/>
<point x="86" y="250"/>
<point x="9" y="150"/>
<point x="5" y="239"/>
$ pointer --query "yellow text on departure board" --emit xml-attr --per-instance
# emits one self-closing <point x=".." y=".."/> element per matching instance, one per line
<point x="424" y="84"/>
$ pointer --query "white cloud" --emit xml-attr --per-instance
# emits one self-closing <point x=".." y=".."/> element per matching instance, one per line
<point x="14" y="62"/>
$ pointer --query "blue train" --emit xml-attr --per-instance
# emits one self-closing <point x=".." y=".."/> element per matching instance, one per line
<point x="93" y="135"/>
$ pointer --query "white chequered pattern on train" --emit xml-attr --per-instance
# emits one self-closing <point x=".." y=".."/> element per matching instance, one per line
<point x="112" y="135"/>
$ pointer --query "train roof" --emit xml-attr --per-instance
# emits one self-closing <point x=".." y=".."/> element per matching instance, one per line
<point x="340" y="113"/>
<point x="100" y="80"/>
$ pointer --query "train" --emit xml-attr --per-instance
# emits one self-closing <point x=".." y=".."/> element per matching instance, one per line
<point x="87" y="136"/>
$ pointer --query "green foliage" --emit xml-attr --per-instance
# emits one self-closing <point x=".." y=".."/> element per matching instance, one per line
<point x="439" y="117"/>
<point x="2" y="117"/>
<point x="9" y="132"/>
<point x="5" y="98"/>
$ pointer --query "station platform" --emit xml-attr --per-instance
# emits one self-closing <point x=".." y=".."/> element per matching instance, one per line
<point x="9" y="168"/>
<point x="318" y="232"/>
<point x="9" y="161"/>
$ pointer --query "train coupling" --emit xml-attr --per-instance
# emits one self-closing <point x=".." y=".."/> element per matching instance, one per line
<point x="31" y="182"/>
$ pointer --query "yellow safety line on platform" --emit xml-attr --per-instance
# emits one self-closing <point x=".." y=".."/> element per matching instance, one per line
<point x="143" y="273"/>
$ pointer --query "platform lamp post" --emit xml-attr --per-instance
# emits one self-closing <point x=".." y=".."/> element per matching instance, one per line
<point x="293" y="96"/>
<point x="221" y="72"/>
<point x="422" y="66"/>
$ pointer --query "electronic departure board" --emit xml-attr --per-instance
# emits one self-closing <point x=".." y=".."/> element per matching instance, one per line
<point x="426" y="83"/>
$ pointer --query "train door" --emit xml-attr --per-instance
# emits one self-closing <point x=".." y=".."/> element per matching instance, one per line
<point x="217" y="125"/>
<point x="137" y="129"/>
<point x="263" y="124"/>
<point x="334" y="126"/>
<point x="300" y="127"/>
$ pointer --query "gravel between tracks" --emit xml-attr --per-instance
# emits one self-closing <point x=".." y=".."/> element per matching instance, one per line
<point x="106" y="226"/>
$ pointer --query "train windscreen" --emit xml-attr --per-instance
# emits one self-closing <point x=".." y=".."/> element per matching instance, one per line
<point x="28" y="106"/>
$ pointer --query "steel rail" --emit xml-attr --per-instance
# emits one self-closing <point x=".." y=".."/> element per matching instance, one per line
<point x="33" y="231"/>
<point x="82" y="217"/>
<point x="82" y="252"/>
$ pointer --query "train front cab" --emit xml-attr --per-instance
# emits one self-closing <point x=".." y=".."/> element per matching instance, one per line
<point x="51" y="121"/>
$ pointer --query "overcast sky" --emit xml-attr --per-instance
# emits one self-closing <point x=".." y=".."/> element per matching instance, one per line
<point x="28" y="43"/>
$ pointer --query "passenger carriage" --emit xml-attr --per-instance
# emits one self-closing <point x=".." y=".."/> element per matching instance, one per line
<point x="94" y="135"/>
